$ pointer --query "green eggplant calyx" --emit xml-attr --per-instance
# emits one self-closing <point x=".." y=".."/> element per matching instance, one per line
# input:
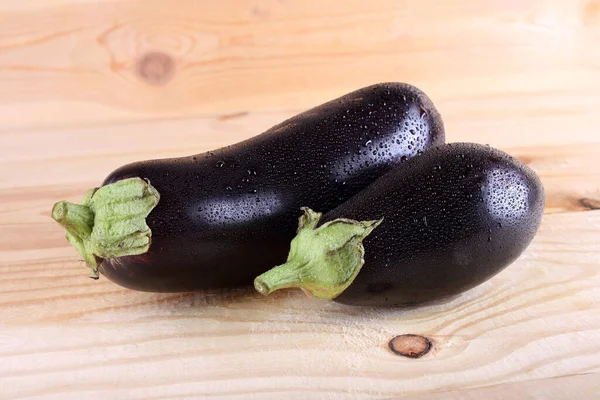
<point x="323" y="261"/>
<point x="109" y="221"/>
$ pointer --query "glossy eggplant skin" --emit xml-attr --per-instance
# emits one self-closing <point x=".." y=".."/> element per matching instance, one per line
<point x="226" y="216"/>
<point x="453" y="217"/>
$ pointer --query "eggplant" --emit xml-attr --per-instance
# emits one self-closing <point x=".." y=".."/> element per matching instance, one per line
<point x="447" y="221"/>
<point x="218" y="219"/>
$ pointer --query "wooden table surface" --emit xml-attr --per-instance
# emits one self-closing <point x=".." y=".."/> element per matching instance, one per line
<point x="86" y="86"/>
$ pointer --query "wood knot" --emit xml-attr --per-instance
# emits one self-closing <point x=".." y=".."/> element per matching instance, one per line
<point x="156" y="68"/>
<point x="590" y="204"/>
<point x="411" y="346"/>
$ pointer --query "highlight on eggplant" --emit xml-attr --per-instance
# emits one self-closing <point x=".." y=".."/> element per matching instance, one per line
<point x="447" y="221"/>
<point x="218" y="219"/>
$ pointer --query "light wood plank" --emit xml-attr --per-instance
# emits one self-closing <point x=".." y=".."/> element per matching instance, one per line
<point x="503" y="59"/>
<point x="82" y="158"/>
<point x="540" y="318"/>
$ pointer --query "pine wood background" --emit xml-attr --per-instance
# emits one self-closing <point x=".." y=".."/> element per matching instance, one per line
<point x="86" y="86"/>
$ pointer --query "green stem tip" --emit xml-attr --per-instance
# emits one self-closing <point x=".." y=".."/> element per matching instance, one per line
<point x="109" y="221"/>
<point x="322" y="261"/>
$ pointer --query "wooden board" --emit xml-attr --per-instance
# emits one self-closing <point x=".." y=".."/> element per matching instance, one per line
<point x="86" y="86"/>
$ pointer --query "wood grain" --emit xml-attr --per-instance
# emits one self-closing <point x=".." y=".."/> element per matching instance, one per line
<point x="86" y="86"/>
<point x="582" y="386"/>
<point x="65" y="334"/>
<point x="476" y="58"/>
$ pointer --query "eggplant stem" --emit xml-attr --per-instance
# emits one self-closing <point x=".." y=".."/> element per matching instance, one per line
<point x="109" y="221"/>
<point x="279" y="278"/>
<point x="76" y="219"/>
<point x="322" y="261"/>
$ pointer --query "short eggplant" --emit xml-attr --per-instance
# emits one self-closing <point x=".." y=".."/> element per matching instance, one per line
<point x="447" y="221"/>
<point x="218" y="219"/>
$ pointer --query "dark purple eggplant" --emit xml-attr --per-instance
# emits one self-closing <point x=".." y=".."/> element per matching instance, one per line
<point x="445" y="222"/>
<point x="218" y="219"/>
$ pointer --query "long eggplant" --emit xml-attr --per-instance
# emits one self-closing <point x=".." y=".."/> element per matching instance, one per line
<point x="218" y="219"/>
<point x="445" y="222"/>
